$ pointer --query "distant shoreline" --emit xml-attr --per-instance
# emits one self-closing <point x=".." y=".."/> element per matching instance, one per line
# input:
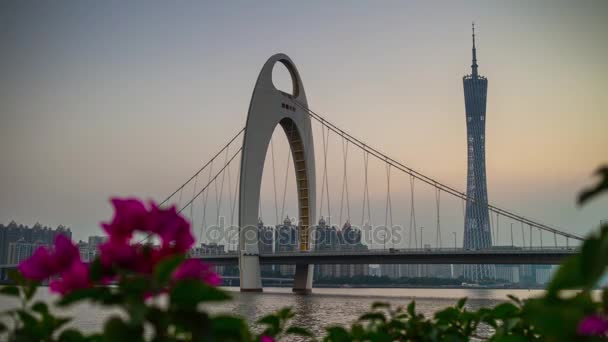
<point x="401" y="286"/>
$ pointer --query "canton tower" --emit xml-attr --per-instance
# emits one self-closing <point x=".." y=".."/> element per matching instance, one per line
<point x="477" y="232"/>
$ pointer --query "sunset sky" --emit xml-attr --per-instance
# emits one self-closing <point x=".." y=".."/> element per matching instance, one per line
<point x="118" y="98"/>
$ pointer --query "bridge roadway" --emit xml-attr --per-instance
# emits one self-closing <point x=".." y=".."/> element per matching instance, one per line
<point x="546" y="256"/>
<point x="515" y="255"/>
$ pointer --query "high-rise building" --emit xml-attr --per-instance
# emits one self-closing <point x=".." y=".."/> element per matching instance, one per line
<point x="286" y="240"/>
<point x="348" y="238"/>
<point x="95" y="241"/>
<point x="543" y="274"/>
<point x="509" y="273"/>
<point x="37" y="234"/>
<point x="265" y="244"/>
<point x="21" y="250"/>
<point x="477" y="231"/>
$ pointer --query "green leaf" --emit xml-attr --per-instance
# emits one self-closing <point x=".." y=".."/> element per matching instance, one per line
<point x="31" y="327"/>
<point x="285" y="314"/>
<point x="12" y="291"/>
<point x="373" y="316"/>
<point x="601" y="186"/>
<point x="135" y="287"/>
<point x="380" y="305"/>
<point x="298" y="331"/>
<point x="96" y="294"/>
<point x="189" y="293"/>
<point x="273" y="324"/>
<point x="96" y="270"/>
<point x="28" y="286"/>
<point x="411" y="308"/>
<point x="558" y="319"/>
<point x="510" y="338"/>
<point x="41" y="308"/>
<point x="605" y="299"/>
<point x="514" y="299"/>
<point x="447" y="314"/>
<point x="230" y="328"/>
<point x="337" y="334"/>
<point x="117" y="330"/>
<point x="461" y="302"/>
<point x="71" y="335"/>
<point x="158" y="318"/>
<point x="505" y="310"/>
<point x="164" y="269"/>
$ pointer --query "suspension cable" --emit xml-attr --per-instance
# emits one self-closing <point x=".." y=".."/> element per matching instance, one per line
<point x="204" y="166"/>
<point x="326" y="142"/>
<point x="430" y="181"/>
<point x="286" y="175"/>
<point x="219" y="200"/>
<point x="212" y="180"/>
<point x="497" y="229"/>
<point x="493" y="239"/>
<point x="274" y="183"/>
<point x="179" y="200"/>
<point x="366" y="198"/>
<point x="324" y="177"/>
<point x="203" y="189"/>
<point x="412" y="215"/>
<point x="555" y="239"/>
<point x="438" y="242"/>
<point x="230" y="202"/>
<point x="389" y="206"/>
<point x="464" y="210"/>
<point x="523" y="235"/>
<point x="236" y="188"/>
<point x="205" y="201"/>
<point x="344" y="182"/>
<point x="192" y="206"/>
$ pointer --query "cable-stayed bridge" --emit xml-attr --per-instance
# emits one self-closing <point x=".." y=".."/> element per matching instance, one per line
<point x="222" y="200"/>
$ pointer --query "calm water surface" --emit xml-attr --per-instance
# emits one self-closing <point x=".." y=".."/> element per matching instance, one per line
<point x="326" y="306"/>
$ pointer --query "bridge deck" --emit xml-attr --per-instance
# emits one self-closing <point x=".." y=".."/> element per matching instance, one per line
<point x="546" y="256"/>
<point x="523" y="256"/>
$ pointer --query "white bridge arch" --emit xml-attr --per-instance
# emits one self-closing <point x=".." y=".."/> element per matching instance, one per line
<point x="270" y="107"/>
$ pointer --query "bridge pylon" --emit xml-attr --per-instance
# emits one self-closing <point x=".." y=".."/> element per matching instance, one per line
<point x="268" y="108"/>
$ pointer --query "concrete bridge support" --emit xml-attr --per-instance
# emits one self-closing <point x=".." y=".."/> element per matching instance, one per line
<point x="270" y="107"/>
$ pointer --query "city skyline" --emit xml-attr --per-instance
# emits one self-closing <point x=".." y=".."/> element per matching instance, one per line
<point x="82" y="116"/>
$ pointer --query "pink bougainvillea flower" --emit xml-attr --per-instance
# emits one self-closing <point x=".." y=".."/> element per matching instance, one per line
<point x="136" y="257"/>
<point x="37" y="267"/>
<point x="132" y="215"/>
<point x="74" y="278"/>
<point x="593" y="325"/>
<point x="129" y="215"/>
<point x="118" y="253"/>
<point x="172" y="228"/>
<point x="64" y="254"/>
<point x="44" y="263"/>
<point x="266" y="338"/>
<point x="197" y="270"/>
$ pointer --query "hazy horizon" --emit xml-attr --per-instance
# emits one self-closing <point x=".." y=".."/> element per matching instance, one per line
<point x="102" y="99"/>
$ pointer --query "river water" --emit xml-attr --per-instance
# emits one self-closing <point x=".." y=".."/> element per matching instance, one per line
<point x="325" y="307"/>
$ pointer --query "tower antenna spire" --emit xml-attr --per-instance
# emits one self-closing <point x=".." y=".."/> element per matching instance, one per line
<point x="474" y="65"/>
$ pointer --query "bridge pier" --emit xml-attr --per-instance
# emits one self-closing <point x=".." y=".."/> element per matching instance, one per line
<point x="302" y="281"/>
<point x="249" y="271"/>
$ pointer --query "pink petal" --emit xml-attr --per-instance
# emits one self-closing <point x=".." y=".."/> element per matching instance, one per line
<point x="74" y="278"/>
<point x="37" y="267"/>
